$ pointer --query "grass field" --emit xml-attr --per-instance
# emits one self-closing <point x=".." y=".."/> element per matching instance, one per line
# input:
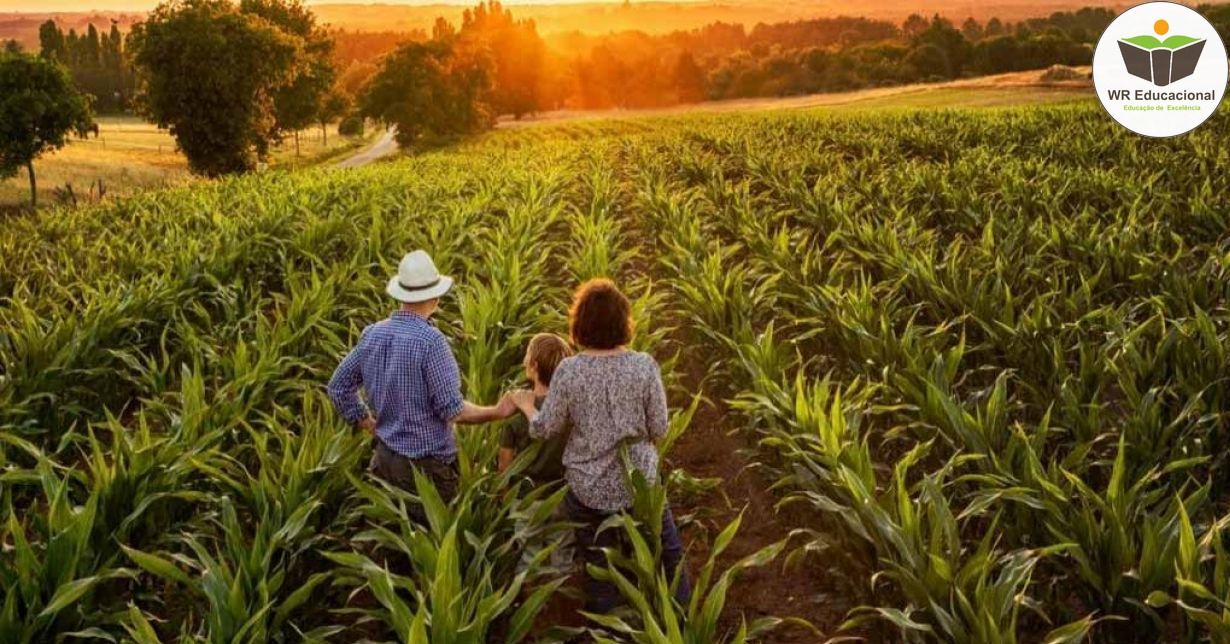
<point x="131" y="154"/>
<point x="979" y="354"/>
<point x="1000" y="90"/>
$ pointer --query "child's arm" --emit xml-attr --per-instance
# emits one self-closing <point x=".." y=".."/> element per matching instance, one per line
<point x="507" y="456"/>
<point x="512" y="437"/>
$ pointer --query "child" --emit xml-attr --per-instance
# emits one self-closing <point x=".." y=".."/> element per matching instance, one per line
<point x="545" y="352"/>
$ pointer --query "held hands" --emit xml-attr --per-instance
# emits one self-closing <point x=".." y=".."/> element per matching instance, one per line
<point x="506" y="407"/>
<point x="367" y="425"/>
<point x="523" y="399"/>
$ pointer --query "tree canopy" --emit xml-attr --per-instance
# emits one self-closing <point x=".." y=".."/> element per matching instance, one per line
<point x="210" y="72"/>
<point x="300" y="102"/>
<point x="97" y="62"/>
<point x="39" y="108"/>
<point x="429" y="91"/>
<point x="520" y="71"/>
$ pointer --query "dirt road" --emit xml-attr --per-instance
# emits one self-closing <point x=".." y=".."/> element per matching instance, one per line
<point x="383" y="147"/>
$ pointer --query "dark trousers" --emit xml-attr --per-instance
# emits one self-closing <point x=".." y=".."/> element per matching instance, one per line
<point x="601" y="596"/>
<point x="399" y="470"/>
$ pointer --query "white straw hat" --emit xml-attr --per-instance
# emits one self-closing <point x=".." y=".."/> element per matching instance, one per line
<point x="417" y="279"/>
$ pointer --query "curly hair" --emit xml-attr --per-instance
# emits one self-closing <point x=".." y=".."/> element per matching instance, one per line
<point x="601" y="316"/>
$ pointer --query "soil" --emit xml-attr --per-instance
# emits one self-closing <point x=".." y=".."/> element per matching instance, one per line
<point x="713" y="447"/>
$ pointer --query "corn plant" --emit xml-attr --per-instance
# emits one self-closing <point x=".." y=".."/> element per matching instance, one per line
<point x="242" y="585"/>
<point x="656" y="617"/>
<point x="49" y="569"/>
<point x="1043" y="347"/>
<point x="1201" y="594"/>
<point x="454" y="579"/>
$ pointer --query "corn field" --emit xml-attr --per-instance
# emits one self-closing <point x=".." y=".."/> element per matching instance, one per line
<point x="983" y="351"/>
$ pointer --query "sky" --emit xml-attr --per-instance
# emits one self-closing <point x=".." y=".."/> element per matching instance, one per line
<point x="43" y="6"/>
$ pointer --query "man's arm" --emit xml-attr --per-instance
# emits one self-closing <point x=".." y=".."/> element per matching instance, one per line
<point x="472" y="414"/>
<point x="443" y="378"/>
<point x="344" y="389"/>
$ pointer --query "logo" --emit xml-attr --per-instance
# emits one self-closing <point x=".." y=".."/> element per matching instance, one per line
<point x="1160" y="45"/>
<point x="1161" y="62"/>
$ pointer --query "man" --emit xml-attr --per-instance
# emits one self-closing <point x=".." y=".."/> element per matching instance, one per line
<point x="413" y="385"/>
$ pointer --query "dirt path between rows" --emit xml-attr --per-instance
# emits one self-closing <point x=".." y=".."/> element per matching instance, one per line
<point x="714" y="447"/>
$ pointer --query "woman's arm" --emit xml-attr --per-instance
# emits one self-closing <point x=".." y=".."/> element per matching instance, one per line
<point x="553" y="417"/>
<point x="656" y="417"/>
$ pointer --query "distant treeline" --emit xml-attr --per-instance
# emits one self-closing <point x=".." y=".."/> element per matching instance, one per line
<point x="722" y="61"/>
<point x="97" y="62"/>
<point x="828" y="54"/>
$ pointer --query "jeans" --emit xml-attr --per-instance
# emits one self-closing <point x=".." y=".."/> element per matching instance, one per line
<point x="601" y="596"/>
<point x="399" y="470"/>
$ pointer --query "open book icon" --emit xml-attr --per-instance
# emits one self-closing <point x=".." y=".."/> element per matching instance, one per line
<point x="1161" y="62"/>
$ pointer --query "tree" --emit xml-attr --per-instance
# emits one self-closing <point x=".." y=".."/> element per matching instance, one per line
<point x="334" y="107"/>
<point x="914" y="25"/>
<point x="942" y="35"/>
<point x="998" y="54"/>
<point x="238" y="59"/>
<point x="689" y="79"/>
<point x="428" y="91"/>
<point x="518" y="54"/>
<point x="299" y="102"/>
<point x="971" y="30"/>
<point x="93" y="48"/>
<point x="930" y="61"/>
<point x="51" y="41"/>
<point x="39" y="108"/>
<point x="97" y="62"/>
<point x="351" y="126"/>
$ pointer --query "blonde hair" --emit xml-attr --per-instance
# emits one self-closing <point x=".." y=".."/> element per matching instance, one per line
<point x="546" y="351"/>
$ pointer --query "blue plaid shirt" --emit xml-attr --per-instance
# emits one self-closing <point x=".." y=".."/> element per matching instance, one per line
<point x="412" y="382"/>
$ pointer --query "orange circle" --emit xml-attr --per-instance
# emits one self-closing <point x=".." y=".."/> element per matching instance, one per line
<point x="1161" y="27"/>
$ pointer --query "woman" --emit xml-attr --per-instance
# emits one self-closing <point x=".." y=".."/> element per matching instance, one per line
<point x="609" y="396"/>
